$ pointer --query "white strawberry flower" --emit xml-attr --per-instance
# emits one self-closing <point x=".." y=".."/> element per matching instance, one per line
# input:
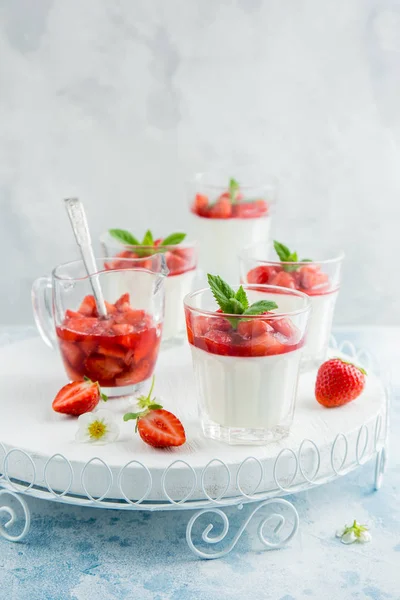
<point x="98" y="427"/>
<point x="354" y="533"/>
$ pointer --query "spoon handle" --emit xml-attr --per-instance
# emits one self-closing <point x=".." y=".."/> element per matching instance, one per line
<point x="77" y="216"/>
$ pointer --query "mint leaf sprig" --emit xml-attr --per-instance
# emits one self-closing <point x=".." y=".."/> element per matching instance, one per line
<point x="126" y="238"/>
<point x="147" y="403"/>
<point x="236" y="303"/>
<point x="285" y="255"/>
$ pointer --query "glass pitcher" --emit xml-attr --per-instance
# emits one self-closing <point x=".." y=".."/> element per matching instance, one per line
<point x="119" y="350"/>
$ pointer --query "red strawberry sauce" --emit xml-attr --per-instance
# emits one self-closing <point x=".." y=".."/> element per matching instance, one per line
<point x="179" y="259"/>
<point x="308" y="278"/>
<point x="118" y="350"/>
<point x="224" y="208"/>
<point x="263" y="336"/>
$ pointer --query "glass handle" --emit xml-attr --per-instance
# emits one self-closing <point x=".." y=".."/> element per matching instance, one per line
<point x="42" y="309"/>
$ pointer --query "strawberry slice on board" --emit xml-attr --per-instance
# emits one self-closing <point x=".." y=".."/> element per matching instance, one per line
<point x="78" y="397"/>
<point x="156" y="426"/>
<point x="161" y="429"/>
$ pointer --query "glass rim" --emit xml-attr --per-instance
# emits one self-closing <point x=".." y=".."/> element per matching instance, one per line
<point x="106" y="238"/>
<point x="200" y="177"/>
<point x="105" y="270"/>
<point x="257" y="287"/>
<point x="243" y="255"/>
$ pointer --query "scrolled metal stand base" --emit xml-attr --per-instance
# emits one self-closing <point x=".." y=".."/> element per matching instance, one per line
<point x="8" y="509"/>
<point x="262" y="536"/>
<point x="380" y="467"/>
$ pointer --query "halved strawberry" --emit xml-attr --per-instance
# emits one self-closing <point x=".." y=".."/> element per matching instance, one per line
<point x="157" y="427"/>
<point x="161" y="429"/>
<point x="103" y="368"/>
<point x="88" y="307"/>
<point x="77" y="398"/>
<point x="222" y="209"/>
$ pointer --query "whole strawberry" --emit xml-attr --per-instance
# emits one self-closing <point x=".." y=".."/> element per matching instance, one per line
<point x="338" y="382"/>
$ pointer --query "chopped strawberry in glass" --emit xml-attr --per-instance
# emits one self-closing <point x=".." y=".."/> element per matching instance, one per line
<point x="319" y="279"/>
<point x="124" y="251"/>
<point x="246" y="357"/>
<point x="228" y="213"/>
<point x="118" y="350"/>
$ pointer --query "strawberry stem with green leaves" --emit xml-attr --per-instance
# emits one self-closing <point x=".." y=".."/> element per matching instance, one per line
<point x="147" y="403"/>
<point x="102" y="396"/>
<point x="148" y="240"/>
<point x="236" y="303"/>
<point x="347" y="362"/>
<point x="285" y="255"/>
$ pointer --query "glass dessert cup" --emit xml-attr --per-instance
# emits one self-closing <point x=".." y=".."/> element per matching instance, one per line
<point x="181" y="262"/>
<point x="226" y="218"/>
<point x="120" y="350"/>
<point x="319" y="279"/>
<point x="246" y="370"/>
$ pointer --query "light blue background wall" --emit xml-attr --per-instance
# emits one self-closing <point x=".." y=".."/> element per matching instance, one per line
<point x="118" y="101"/>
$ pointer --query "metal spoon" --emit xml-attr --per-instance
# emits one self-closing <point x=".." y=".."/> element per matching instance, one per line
<point x="80" y="227"/>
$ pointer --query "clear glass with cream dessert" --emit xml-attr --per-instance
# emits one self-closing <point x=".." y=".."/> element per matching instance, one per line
<point x="120" y="245"/>
<point x="315" y="275"/>
<point x="246" y="349"/>
<point x="227" y="214"/>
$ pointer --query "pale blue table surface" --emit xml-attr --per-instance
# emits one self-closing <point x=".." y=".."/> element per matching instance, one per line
<point x="88" y="553"/>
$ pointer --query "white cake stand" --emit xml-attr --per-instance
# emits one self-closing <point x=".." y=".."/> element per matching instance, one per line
<point x="39" y="457"/>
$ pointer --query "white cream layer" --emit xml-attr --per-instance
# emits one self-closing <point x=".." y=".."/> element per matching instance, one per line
<point x="221" y="240"/>
<point x="256" y="392"/>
